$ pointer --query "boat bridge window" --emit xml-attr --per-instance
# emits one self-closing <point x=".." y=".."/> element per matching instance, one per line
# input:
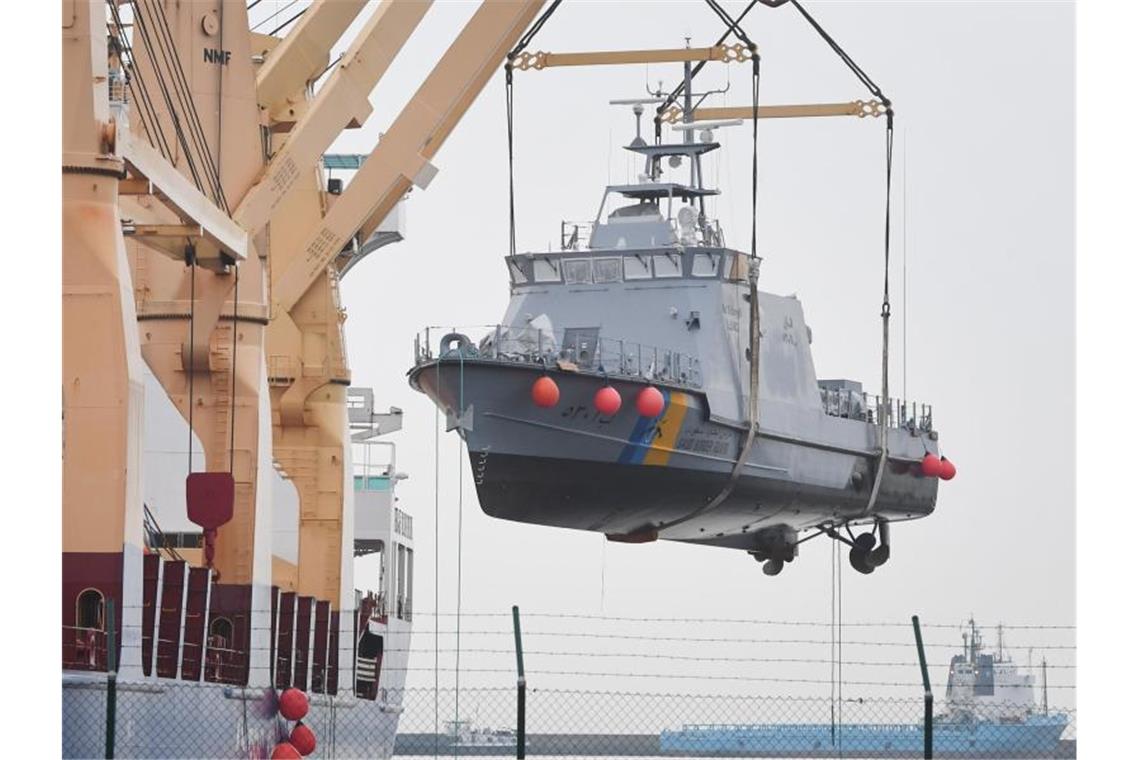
<point x="706" y="265"/>
<point x="547" y="269"/>
<point x="577" y="271"/>
<point x="607" y="270"/>
<point x="518" y="276"/>
<point x="89" y="609"/>
<point x="668" y="265"/>
<point x="637" y="268"/>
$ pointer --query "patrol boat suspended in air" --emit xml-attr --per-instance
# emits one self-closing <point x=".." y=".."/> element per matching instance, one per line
<point x="618" y="394"/>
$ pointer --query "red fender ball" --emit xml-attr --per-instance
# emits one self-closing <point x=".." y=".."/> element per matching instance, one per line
<point x="544" y="392"/>
<point x="293" y="704"/>
<point x="931" y="466"/>
<point x="285" y="751"/>
<point x="947" y="470"/>
<point x="607" y="400"/>
<point x="650" y="402"/>
<point x="303" y="739"/>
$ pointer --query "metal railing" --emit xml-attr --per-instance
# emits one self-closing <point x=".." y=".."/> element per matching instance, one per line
<point x="576" y="235"/>
<point x="546" y="348"/>
<point x="84" y="648"/>
<point x="849" y="404"/>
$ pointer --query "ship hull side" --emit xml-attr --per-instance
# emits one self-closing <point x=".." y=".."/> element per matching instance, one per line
<point x="570" y="466"/>
<point x="200" y="720"/>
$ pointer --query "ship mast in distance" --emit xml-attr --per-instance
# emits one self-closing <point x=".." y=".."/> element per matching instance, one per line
<point x="1000" y="657"/>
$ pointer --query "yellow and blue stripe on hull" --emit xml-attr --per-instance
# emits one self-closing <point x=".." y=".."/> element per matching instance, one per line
<point x="654" y="439"/>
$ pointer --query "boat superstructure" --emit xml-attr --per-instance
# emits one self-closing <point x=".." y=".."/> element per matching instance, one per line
<point x="617" y="393"/>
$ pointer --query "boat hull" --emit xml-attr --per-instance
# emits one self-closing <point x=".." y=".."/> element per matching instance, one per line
<point x="571" y="466"/>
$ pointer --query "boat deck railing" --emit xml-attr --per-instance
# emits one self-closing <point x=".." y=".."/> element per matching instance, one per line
<point x="576" y="235"/>
<point x="611" y="357"/>
<point x="900" y="413"/>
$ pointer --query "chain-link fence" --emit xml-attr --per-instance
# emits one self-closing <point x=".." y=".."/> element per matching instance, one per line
<point x="197" y="720"/>
<point x="609" y="686"/>
<point x="562" y="723"/>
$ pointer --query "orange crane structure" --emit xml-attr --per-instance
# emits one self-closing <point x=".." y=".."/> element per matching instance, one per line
<point x="200" y="245"/>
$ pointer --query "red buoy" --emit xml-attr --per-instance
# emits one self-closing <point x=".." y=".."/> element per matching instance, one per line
<point x="607" y="400"/>
<point x="650" y="402"/>
<point x="285" y="751"/>
<point x="303" y="739"/>
<point x="544" y="392"/>
<point x="293" y="704"/>
<point x="947" y="470"/>
<point x="931" y="466"/>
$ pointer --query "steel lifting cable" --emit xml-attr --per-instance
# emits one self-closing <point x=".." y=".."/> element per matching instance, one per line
<point x="159" y="22"/>
<point x="511" y="155"/>
<point x="192" y="260"/>
<point x="143" y="26"/>
<point x="209" y="161"/>
<point x="672" y="98"/>
<point x="233" y="373"/>
<point x="753" y="301"/>
<point x="885" y="312"/>
<point x="147" y="113"/>
<point x="509" y="69"/>
<point x="149" y="40"/>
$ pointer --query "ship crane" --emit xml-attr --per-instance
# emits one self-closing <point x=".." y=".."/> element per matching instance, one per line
<point x="200" y="246"/>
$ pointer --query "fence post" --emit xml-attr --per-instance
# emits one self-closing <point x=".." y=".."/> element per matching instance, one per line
<point x="928" y="696"/>
<point x="112" y="666"/>
<point x="520" y="733"/>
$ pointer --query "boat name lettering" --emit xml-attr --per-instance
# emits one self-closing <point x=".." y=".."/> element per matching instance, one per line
<point x="705" y="442"/>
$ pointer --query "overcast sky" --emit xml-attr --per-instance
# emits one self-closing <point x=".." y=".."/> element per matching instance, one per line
<point x="985" y="130"/>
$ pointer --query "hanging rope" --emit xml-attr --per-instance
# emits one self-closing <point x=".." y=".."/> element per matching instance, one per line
<point x="458" y="584"/>
<point x="834" y="563"/>
<point x="459" y="544"/>
<point x="436" y="669"/>
<point x="839" y="641"/>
